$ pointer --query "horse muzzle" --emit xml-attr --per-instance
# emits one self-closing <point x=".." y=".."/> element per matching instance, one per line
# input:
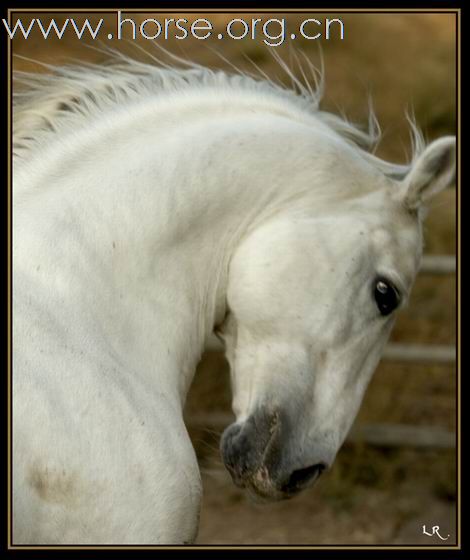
<point x="256" y="454"/>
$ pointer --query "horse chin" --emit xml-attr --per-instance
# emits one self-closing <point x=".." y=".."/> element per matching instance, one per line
<point x="259" y="486"/>
<point x="261" y="489"/>
<point x="265" y="496"/>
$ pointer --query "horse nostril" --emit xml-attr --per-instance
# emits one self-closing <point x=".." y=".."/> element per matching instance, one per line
<point x="301" y="477"/>
<point x="232" y="445"/>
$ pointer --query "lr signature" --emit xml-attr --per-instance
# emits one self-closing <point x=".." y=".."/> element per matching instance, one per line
<point x="435" y="531"/>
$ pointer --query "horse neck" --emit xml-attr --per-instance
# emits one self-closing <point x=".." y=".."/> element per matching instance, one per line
<point x="163" y="202"/>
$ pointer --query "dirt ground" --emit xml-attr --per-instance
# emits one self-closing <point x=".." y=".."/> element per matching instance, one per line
<point x="371" y="495"/>
<point x="364" y="511"/>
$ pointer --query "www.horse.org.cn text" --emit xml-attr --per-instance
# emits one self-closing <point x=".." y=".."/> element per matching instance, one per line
<point x="273" y="32"/>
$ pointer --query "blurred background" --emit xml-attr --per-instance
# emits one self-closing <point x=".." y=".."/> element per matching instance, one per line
<point x="397" y="471"/>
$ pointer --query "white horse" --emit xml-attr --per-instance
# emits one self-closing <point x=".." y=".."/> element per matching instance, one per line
<point x="153" y="206"/>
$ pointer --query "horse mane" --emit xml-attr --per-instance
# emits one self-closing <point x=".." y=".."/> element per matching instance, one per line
<point x="64" y="97"/>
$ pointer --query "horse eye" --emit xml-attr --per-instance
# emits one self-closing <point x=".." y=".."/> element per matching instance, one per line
<point x="386" y="296"/>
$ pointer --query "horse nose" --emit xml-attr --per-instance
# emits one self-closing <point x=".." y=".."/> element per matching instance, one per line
<point x="235" y="450"/>
<point x="301" y="478"/>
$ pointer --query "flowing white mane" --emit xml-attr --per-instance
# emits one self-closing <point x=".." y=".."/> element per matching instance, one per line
<point x="66" y="97"/>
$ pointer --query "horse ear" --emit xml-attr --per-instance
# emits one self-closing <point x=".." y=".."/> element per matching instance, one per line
<point x="432" y="172"/>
